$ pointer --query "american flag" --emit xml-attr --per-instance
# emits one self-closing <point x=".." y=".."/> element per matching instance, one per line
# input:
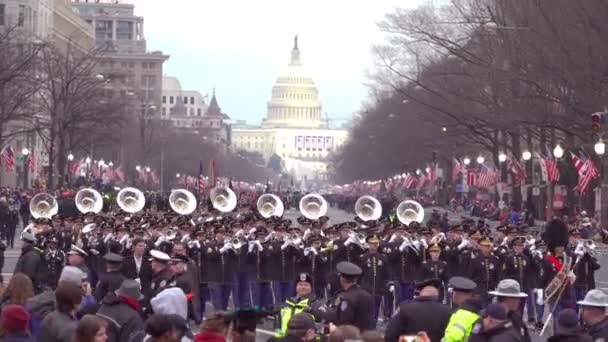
<point x="487" y="177"/>
<point x="519" y="173"/>
<point x="154" y="177"/>
<point x="457" y="169"/>
<point x="471" y="177"/>
<point x="552" y="167"/>
<point x="432" y="172"/>
<point x="586" y="171"/>
<point x="31" y="162"/>
<point x="421" y="180"/>
<point x="201" y="178"/>
<point x="120" y="174"/>
<point x="408" y="181"/>
<point x="8" y="157"/>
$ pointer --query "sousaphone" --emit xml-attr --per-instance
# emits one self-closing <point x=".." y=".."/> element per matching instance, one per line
<point x="410" y="211"/>
<point x="131" y="200"/>
<point x="313" y="206"/>
<point x="368" y="208"/>
<point x="43" y="205"/>
<point x="223" y="199"/>
<point x="182" y="201"/>
<point x="88" y="201"/>
<point x="270" y="205"/>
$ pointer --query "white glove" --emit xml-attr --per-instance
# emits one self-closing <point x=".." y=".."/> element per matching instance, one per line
<point x="313" y="251"/>
<point x="194" y="243"/>
<point x="252" y="231"/>
<point x="349" y="241"/>
<point x="108" y="237"/>
<point x="307" y="251"/>
<point x="251" y="246"/>
<point x="505" y="241"/>
<point x="393" y="238"/>
<point x="185" y="238"/>
<point x="160" y="240"/>
<point x="539" y="296"/>
<point x="424" y="243"/>
<point x="463" y="244"/>
<point x="404" y="245"/>
<point x="391" y="289"/>
<point x="226" y="248"/>
<point x="124" y="239"/>
<point x="259" y="245"/>
<point x="307" y="234"/>
<point x="285" y="245"/>
<point x="416" y="244"/>
<point x="571" y="277"/>
<point x="129" y="243"/>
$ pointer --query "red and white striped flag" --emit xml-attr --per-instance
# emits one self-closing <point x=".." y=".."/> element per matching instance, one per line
<point x="408" y="181"/>
<point x="471" y="177"/>
<point x="519" y="173"/>
<point x="487" y="177"/>
<point x="154" y="177"/>
<point x="120" y="174"/>
<point x="586" y="171"/>
<point x="457" y="169"/>
<point x="8" y="157"/>
<point x="552" y="170"/>
<point x="31" y="162"/>
<point x="421" y="180"/>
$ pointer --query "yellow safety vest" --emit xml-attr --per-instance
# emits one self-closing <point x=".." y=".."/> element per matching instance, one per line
<point x="460" y="326"/>
<point x="289" y="310"/>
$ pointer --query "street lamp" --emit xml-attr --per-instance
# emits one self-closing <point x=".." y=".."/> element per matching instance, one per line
<point x="480" y="160"/>
<point x="418" y="172"/>
<point x="25" y="151"/>
<point x="526" y="155"/>
<point x="137" y="168"/>
<point x="600" y="148"/>
<point x="101" y="163"/>
<point x="444" y="129"/>
<point x="558" y="151"/>
<point x="147" y="169"/>
<point x="70" y="157"/>
<point x="177" y="175"/>
<point x="88" y="160"/>
<point x="111" y="164"/>
<point x="502" y="157"/>
<point x="99" y="77"/>
<point x="466" y="161"/>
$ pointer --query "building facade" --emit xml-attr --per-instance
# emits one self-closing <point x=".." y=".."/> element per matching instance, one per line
<point x="294" y="128"/>
<point x="188" y="110"/>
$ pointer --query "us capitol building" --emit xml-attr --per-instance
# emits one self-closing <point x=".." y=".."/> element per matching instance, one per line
<point x="294" y="128"/>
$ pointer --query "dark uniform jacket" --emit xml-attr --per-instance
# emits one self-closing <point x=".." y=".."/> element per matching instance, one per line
<point x="376" y="274"/>
<point x="30" y="264"/>
<point x="123" y="321"/>
<point x="520" y="268"/>
<point x="585" y="272"/>
<point x="53" y="263"/>
<point x="420" y="314"/>
<point x="599" y="330"/>
<point x="219" y="266"/>
<point x="504" y="332"/>
<point x="108" y="282"/>
<point x="129" y="269"/>
<point x="485" y="273"/>
<point x="551" y="266"/>
<point x="434" y="270"/>
<point x="315" y="264"/>
<point x="281" y="263"/>
<point x="571" y="337"/>
<point x="355" y="307"/>
<point x="405" y="266"/>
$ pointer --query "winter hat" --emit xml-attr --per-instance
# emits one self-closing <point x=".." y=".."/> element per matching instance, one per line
<point x="14" y="317"/>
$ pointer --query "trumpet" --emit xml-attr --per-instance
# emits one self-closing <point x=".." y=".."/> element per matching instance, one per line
<point x="438" y="238"/>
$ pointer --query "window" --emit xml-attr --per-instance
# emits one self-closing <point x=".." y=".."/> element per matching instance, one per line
<point x="170" y="99"/>
<point x="144" y="65"/>
<point x="124" y="30"/>
<point x="185" y="100"/>
<point x="103" y="29"/>
<point x="131" y="65"/>
<point x="198" y="112"/>
<point x="21" y="19"/>
<point x="164" y="99"/>
<point x="191" y="100"/>
<point x="191" y="111"/>
<point x="164" y="110"/>
<point x="2" y="13"/>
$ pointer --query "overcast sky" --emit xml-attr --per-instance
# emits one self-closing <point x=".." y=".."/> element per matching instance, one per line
<point x="239" y="47"/>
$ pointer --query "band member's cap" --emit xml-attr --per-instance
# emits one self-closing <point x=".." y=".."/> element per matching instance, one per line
<point x="518" y="241"/>
<point x="373" y="239"/>
<point x="27" y="236"/>
<point x="486" y="242"/>
<point x="179" y="258"/>
<point x="113" y="258"/>
<point x="434" y="248"/>
<point x="75" y="250"/>
<point x="576" y="232"/>
<point x="304" y="277"/>
<point x="462" y="284"/>
<point x="159" y="256"/>
<point x="476" y="236"/>
<point x="348" y="269"/>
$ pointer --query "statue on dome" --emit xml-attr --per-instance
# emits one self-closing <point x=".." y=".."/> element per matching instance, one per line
<point x="295" y="42"/>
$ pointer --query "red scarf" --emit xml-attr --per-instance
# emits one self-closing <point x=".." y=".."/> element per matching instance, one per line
<point x="555" y="261"/>
<point x="133" y="303"/>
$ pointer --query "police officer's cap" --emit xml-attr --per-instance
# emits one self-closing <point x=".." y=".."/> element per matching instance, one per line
<point x="29" y="237"/>
<point x="159" y="256"/>
<point x="113" y="258"/>
<point x="349" y="269"/>
<point x="462" y="284"/>
<point x="436" y="283"/>
<point x="304" y="278"/>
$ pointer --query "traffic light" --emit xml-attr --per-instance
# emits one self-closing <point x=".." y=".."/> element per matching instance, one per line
<point x="596" y="122"/>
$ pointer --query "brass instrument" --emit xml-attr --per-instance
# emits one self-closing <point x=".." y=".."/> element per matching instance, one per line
<point x="410" y="211"/>
<point x="313" y="206"/>
<point x="43" y="205"/>
<point x="131" y="200"/>
<point x="270" y="205"/>
<point x="88" y="201"/>
<point x="223" y="199"/>
<point x="182" y="201"/>
<point x="368" y="208"/>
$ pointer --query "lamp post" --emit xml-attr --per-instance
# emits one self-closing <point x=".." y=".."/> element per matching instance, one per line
<point x="26" y="177"/>
<point x="600" y="150"/>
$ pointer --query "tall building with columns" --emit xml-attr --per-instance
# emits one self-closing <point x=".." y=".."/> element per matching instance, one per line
<point x="294" y="128"/>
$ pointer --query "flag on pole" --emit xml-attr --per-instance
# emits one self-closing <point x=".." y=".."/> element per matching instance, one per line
<point x="120" y="174"/>
<point x="552" y="167"/>
<point x="542" y="162"/>
<point x="457" y="169"/>
<point x="519" y="173"/>
<point x="487" y="177"/>
<point x="421" y="180"/>
<point x="408" y="181"/>
<point x="30" y="162"/>
<point x="8" y="157"/>
<point x="585" y="169"/>
<point x="212" y="175"/>
<point x="201" y="178"/>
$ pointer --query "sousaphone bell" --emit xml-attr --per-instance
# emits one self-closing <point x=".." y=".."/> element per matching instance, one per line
<point x="313" y="206"/>
<point x="368" y="208"/>
<point x="88" y="201"/>
<point x="410" y="211"/>
<point x="43" y="205"/>
<point x="223" y="199"/>
<point x="182" y="201"/>
<point x="131" y="200"/>
<point x="270" y="205"/>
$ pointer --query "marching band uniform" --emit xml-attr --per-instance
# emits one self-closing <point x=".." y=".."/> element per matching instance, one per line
<point x="375" y="278"/>
<point x="313" y="262"/>
<point x="281" y="262"/>
<point x="485" y="269"/>
<point x="584" y="268"/>
<point x="218" y="257"/>
<point x="53" y="259"/>
<point x="259" y="256"/>
<point x="435" y="269"/>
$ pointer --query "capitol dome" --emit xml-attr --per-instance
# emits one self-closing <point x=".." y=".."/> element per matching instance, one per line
<point x="171" y="84"/>
<point x="295" y="99"/>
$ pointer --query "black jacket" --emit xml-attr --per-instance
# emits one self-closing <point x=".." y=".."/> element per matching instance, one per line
<point x="123" y="321"/>
<point x="585" y="272"/>
<point x="376" y="276"/>
<point x="30" y="263"/>
<point x="108" y="282"/>
<point x="421" y="314"/>
<point x="355" y="307"/>
<point x="129" y="269"/>
<point x="505" y="332"/>
<point x="599" y="330"/>
<point x="579" y="336"/>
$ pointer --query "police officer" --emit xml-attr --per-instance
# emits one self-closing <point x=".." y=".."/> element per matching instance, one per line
<point x="303" y="301"/>
<point x="29" y="261"/>
<point x="163" y="277"/>
<point x="353" y="305"/>
<point x="467" y="310"/>
<point x="110" y="280"/>
<point x="376" y="277"/>
<point x="593" y="314"/>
